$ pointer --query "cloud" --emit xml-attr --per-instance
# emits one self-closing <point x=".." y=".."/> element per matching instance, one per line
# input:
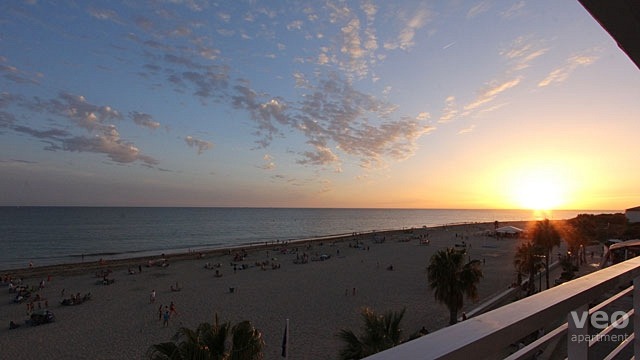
<point x="269" y="164"/>
<point x="193" y="5"/>
<point x="16" y="75"/>
<point x="201" y="145"/>
<point x="208" y="85"/>
<point x="18" y="161"/>
<point x="450" y="111"/>
<point x="514" y="10"/>
<point x="562" y="73"/>
<point x="104" y="137"/>
<point x="224" y="16"/>
<point x="404" y="39"/>
<point x="56" y="134"/>
<point x="423" y="116"/>
<point x="6" y="119"/>
<point x="490" y="92"/>
<point x="263" y="113"/>
<point x="522" y="52"/>
<point x="79" y="111"/>
<point x="143" y="119"/>
<point x="467" y="130"/>
<point x="295" y="25"/>
<point x="116" y="149"/>
<point x="333" y="116"/>
<point x="322" y="156"/>
<point x="103" y="14"/>
<point x="478" y="9"/>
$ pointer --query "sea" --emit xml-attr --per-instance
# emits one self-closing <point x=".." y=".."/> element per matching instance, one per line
<point x="60" y="235"/>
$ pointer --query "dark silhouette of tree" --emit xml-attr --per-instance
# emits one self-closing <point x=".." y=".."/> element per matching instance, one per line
<point x="379" y="332"/>
<point x="451" y="279"/>
<point x="546" y="236"/>
<point x="528" y="260"/>
<point x="210" y="342"/>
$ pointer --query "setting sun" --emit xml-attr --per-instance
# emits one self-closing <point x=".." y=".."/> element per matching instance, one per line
<point x="539" y="190"/>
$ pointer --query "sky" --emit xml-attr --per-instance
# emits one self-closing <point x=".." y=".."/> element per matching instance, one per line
<point x="358" y="104"/>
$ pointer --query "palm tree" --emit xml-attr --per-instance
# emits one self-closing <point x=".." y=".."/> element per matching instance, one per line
<point x="452" y="279"/>
<point x="528" y="260"/>
<point x="209" y="342"/>
<point x="546" y="236"/>
<point x="380" y="332"/>
<point x="247" y="342"/>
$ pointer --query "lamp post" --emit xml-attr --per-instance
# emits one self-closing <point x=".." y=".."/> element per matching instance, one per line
<point x="540" y="272"/>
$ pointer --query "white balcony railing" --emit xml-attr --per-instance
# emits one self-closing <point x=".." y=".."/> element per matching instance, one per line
<point x="555" y="316"/>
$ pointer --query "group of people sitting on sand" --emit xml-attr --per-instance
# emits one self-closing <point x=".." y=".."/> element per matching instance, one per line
<point x="76" y="299"/>
<point x="301" y="259"/>
<point x="25" y="293"/>
<point x="264" y="265"/>
<point x="239" y="256"/>
<point x="210" y="266"/>
<point x="160" y="262"/>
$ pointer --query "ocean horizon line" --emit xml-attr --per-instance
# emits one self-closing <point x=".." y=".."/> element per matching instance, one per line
<point x="303" y="207"/>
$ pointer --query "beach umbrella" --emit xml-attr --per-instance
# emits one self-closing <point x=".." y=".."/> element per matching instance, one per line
<point x="509" y="230"/>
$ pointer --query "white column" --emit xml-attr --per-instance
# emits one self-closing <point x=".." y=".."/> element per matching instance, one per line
<point x="577" y="333"/>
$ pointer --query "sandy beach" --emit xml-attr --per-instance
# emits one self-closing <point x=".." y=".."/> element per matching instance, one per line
<point x="318" y="298"/>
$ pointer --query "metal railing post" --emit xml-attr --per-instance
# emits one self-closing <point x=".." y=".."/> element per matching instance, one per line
<point x="578" y="333"/>
<point x="636" y="317"/>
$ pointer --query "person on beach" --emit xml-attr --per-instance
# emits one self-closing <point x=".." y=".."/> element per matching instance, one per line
<point x="172" y="309"/>
<point x="166" y="316"/>
<point x="160" y="313"/>
<point x="152" y="297"/>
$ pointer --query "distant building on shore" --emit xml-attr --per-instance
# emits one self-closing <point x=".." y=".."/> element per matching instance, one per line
<point x="633" y="214"/>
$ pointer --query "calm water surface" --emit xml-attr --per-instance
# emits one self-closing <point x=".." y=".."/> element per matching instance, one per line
<point x="53" y="235"/>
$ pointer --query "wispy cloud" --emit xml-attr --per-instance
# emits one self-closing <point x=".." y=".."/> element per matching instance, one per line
<point x="104" y="14"/>
<point x="405" y="38"/>
<point x="57" y="134"/>
<point x="450" y="111"/>
<point x="479" y="8"/>
<point x="269" y="163"/>
<point x="143" y="119"/>
<point x="522" y="51"/>
<point x="562" y="73"/>
<point x="467" y="130"/>
<point x="201" y="145"/>
<point x="490" y="92"/>
<point x="322" y="156"/>
<point x="514" y="10"/>
<point x="295" y="25"/>
<point x="103" y="138"/>
<point x="519" y="55"/>
<point x="333" y="117"/>
<point x="115" y="148"/>
<point x="16" y="75"/>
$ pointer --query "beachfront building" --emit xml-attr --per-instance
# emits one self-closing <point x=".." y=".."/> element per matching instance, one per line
<point x="633" y="214"/>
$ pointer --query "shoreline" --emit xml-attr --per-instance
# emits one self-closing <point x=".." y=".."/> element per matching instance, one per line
<point x="320" y="297"/>
<point x="71" y="268"/>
